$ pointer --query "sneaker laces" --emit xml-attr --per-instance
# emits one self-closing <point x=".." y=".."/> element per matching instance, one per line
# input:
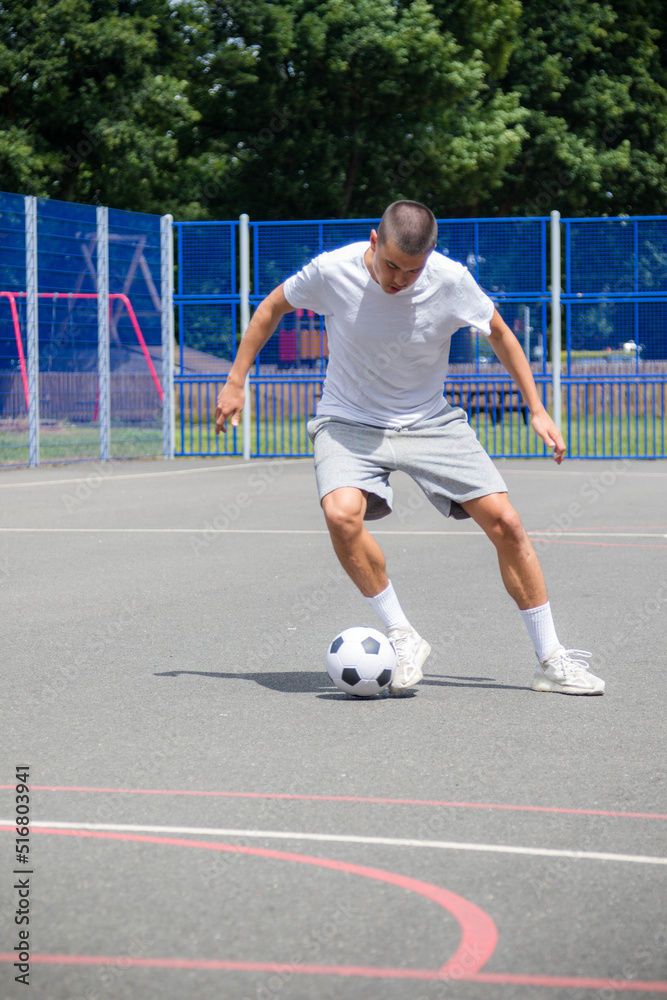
<point x="571" y="665"/>
<point x="400" y="642"/>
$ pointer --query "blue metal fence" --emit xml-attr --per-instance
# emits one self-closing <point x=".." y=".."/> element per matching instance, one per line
<point x="507" y="256"/>
<point x="616" y="291"/>
<point x="614" y="360"/>
<point x="207" y="310"/>
<point x="614" y="302"/>
<point x="13" y="349"/>
<point x="75" y="407"/>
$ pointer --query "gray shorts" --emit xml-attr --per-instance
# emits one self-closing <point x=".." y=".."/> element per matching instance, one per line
<point x="441" y="454"/>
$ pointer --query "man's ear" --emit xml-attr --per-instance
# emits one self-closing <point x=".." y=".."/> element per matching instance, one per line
<point x="374" y="239"/>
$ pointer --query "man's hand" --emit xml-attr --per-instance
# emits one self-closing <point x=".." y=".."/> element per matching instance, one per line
<point x="264" y="321"/>
<point x="230" y="404"/>
<point x="509" y="352"/>
<point x="544" y="426"/>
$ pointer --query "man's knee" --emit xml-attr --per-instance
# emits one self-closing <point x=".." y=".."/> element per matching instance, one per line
<point x="509" y="525"/>
<point x="508" y="528"/>
<point x="344" y="510"/>
<point x="500" y="520"/>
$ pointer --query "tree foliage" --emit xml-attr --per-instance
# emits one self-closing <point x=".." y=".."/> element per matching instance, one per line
<point x="356" y="102"/>
<point x="298" y="108"/>
<point x="593" y="77"/>
<point x="89" y="104"/>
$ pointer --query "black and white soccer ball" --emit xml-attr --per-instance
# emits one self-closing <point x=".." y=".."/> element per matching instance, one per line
<point x="361" y="661"/>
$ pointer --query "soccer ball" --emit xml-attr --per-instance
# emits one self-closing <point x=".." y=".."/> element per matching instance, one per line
<point x="361" y="661"/>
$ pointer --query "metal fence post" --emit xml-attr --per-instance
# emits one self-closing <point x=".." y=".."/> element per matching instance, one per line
<point x="32" y="322"/>
<point x="244" y="273"/>
<point x="527" y="330"/>
<point x="555" y="318"/>
<point x="103" y="362"/>
<point x="167" y="327"/>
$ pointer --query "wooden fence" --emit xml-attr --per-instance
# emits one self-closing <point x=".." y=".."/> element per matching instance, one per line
<point x="73" y="396"/>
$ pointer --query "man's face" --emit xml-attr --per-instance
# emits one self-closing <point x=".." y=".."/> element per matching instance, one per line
<point x="392" y="269"/>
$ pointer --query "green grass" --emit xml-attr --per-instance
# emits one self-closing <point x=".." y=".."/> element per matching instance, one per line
<point x="75" y="442"/>
<point x="626" y="436"/>
<point x="616" y="438"/>
<point x="284" y="437"/>
<point x="619" y="437"/>
<point x="616" y="354"/>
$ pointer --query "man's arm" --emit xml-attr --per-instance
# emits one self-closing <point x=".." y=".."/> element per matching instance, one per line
<point x="264" y="321"/>
<point x="510" y="354"/>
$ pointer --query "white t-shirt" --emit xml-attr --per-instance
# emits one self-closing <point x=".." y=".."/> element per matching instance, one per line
<point x="388" y="354"/>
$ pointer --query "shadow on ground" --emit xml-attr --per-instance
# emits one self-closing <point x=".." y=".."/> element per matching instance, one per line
<point x="316" y="682"/>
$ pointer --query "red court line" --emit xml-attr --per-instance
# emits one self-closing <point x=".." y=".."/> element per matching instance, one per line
<point x="606" y="527"/>
<point x="538" y="536"/>
<point x="478" y="939"/>
<point x="568" y="982"/>
<point x="220" y="966"/>
<point x="456" y="975"/>
<point x="289" y="797"/>
<point x="479" y="934"/>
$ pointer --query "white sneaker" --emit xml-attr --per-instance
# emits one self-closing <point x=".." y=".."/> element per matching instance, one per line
<point x="411" y="652"/>
<point x="562" y="673"/>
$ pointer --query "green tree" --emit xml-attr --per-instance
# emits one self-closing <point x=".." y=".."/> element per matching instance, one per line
<point x="593" y="78"/>
<point x="313" y="109"/>
<point x="483" y="27"/>
<point x="349" y="104"/>
<point x="93" y="94"/>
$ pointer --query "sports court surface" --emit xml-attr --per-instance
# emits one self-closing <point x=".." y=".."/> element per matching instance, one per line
<point x="212" y="819"/>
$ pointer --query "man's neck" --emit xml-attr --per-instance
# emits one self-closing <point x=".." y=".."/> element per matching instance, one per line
<point x="368" y="261"/>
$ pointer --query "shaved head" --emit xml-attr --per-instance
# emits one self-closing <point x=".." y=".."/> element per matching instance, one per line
<point x="411" y="226"/>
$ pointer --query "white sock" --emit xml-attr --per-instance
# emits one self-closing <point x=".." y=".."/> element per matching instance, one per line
<point x="540" y="625"/>
<point x="386" y="605"/>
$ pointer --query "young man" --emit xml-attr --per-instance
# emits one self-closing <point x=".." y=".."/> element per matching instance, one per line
<point x="390" y="309"/>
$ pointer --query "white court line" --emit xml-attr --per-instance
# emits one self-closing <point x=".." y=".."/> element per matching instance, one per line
<point x="257" y="463"/>
<point x="186" y="531"/>
<point x="556" y="533"/>
<point x="111" y="477"/>
<point x="587" y="473"/>
<point x="443" y="845"/>
<point x="232" y="531"/>
<point x="547" y="533"/>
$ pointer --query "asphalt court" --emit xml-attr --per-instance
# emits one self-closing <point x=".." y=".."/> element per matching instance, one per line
<point x="210" y="817"/>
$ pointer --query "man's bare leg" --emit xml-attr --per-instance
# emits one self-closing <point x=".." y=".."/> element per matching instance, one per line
<point x="519" y="566"/>
<point x="363" y="560"/>
<point x="359" y="554"/>
<point x="558" y="669"/>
